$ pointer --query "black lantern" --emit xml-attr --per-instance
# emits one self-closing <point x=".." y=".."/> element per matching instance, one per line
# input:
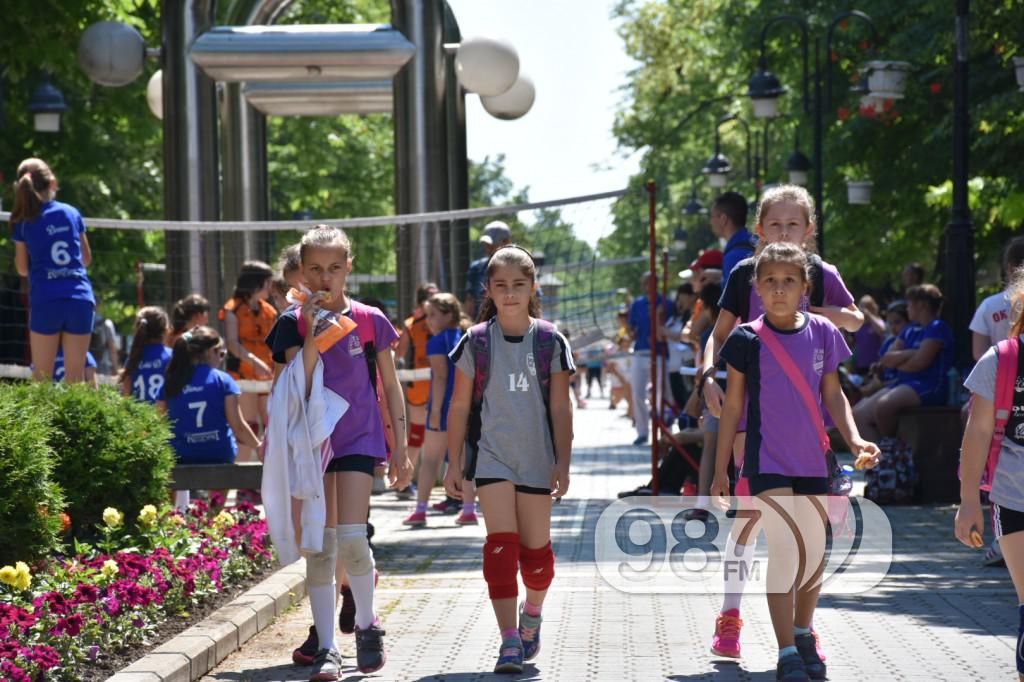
<point x="47" y="105"/>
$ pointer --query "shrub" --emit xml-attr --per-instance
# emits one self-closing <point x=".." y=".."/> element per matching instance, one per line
<point x="30" y="500"/>
<point x="110" y="451"/>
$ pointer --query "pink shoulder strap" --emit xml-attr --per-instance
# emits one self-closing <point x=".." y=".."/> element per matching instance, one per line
<point x="795" y="378"/>
<point x="1006" y="379"/>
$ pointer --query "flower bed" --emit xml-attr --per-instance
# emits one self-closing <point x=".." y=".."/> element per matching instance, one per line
<point x="62" y="615"/>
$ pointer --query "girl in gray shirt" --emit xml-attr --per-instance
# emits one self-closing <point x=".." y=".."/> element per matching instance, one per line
<point x="510" y="409"/>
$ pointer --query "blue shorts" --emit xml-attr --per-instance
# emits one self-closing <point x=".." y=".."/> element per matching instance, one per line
<point x="929" y="394"/>
<point x="71" y="315"/>
<point x="444" y="420"/>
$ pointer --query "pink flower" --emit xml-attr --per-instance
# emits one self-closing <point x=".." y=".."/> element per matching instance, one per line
<point x="44" y="656"/>
<point x="9" y="650"/>
<point x="87" y="593"/>
<point x="72" y="625"/>
<point x="935" y="88"/>
<point x="112" y="606"/>
<point x="23" y="618"/>
<point x="14" y="673"/>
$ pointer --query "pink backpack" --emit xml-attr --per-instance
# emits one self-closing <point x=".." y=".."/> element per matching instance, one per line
<point x="1007" y="352"/>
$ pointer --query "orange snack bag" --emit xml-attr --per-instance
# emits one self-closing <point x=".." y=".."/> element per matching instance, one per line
<point x="330" y="327"/>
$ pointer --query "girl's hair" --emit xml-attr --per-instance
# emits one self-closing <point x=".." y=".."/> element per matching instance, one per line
<point x="1016" y="291"/>
<point x="929" y="294"/>
<point x="289" y="261"/>
<point x="783" y="252"/>
<point x="510" y="255"/>
<point x="423" y="292"/>
<point x="31" y="189"/>
<point x="448" y="304"/>
<point x="251" y="278"/>
<point x="187" y="351"/>
<point x="787" y="194"/>
<point x="710" y="295"/>
<point x="187" y="308"/>
<point x="151" y="325"/>
<point x="325" y="237"/>
<point x="1013" y="258"/>
<point x="898" y="307"/>
<point x="279" y="285"/>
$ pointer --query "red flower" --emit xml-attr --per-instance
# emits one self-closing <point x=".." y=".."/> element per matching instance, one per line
<point x="834" y="56"/>
<point x="935" y="88"/>
<point x="23" y="619"/>
<point x="844" y="24"/>
<point x="44" y="656"/>
<point x="887" y="105"/>
<point x="72" y="625"/>
<point x="843" y="113"/>
<point x="865" y="45"/>
<point x="868" y="112"/>
<point x="87" y="593"/>
<point x="65" y="523"/>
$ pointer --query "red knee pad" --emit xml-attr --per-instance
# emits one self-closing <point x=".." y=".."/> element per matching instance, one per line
<point x="537" y="566"/>
<point x="416" y="433"/>
<point x="501" y="559"/>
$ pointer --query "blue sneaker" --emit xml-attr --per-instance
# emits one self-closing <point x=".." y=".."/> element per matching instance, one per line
<point x="510" y="657"/>
<point x="791" y="668"/>
<point x="808" y="648"/>
<point x="529" y="633"/>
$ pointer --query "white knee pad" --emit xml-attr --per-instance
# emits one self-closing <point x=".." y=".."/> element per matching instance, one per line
<point x="320" y="566"/>
<point x="354" y="548"/>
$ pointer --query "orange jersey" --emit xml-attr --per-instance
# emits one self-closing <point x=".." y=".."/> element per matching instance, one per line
<point x="418" y="392"/>
<point x="253" y="327"/>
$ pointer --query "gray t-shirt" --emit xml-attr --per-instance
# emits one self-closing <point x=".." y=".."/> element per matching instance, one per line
<point x="515" y="441"/>
<point x="1008" y="486"/>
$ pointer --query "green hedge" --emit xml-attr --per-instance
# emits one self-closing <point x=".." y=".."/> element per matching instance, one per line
<point x="109" y="451"/>
<point x="30" y="500"/>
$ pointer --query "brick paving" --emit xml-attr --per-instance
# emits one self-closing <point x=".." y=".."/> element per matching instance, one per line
<point x="937" y="615"/>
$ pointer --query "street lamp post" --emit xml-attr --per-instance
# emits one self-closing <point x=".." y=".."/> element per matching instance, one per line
<point x="765" y="89"/>
<point x="718" y="166"/>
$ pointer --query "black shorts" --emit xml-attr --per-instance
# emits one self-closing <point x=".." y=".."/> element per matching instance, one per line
<point x="677" y="384"/>
<point x="801" y="485"/>
<point x="481" y="482"/>
<point x="1006" y="521"/>
<point x="593" y="373"/>
<point x="362" y="463"/>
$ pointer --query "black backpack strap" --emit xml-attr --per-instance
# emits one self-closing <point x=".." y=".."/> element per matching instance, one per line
<point x="817" y="297"/>
<point x="744" y="270"/>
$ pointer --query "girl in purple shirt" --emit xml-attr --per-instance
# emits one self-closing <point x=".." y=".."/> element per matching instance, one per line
<point x="785" y="455"/>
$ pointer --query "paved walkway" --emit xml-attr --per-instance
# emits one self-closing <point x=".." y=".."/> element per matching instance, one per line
<point x="937" y="615"/>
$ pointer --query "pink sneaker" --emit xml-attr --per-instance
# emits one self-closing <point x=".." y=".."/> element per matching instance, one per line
<point x="727" y="634"/>
<point x="469" y="519"/>
<point x="416" y="520"/>
<point x="817" y="645"/>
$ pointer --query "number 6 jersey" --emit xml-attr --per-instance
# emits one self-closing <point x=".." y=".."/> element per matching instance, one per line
<point x="54" y="243"/>
<point x="515" y="439"/>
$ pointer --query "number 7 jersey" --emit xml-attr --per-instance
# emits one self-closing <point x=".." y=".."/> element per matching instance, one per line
<point x="54" y="244"/>
<point x="201" y="431"/>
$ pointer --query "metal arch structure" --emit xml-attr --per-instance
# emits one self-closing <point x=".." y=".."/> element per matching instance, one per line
<point x="307" y="70"/>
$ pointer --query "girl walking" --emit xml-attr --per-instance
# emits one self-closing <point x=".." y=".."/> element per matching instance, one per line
<point x="447" y="326"/>
<point x="782" y="373"/>
<point x="52" y="250"/>
<point x="992" y="457"/>
<point x="511" y="410"/>
<point x="784" y="215"/>
<point x="358" y="441"/>
<point x="143" y="374"/>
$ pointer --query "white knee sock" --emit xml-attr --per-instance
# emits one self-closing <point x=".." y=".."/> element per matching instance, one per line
<point x="361" y="585"/>
<point x="321" y="603"/>
<point x="362" y="592"/>
<point x="739" y="560"/>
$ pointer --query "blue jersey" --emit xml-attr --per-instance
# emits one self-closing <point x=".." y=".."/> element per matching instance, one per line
<point x="58" y="364"/>
<point x="148" y="377"/>
<point x="201" y="431"/>
<point x="54" y="243"/>
<point x="443" y="344"/>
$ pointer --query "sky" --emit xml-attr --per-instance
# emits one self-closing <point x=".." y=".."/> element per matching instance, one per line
<point x="564" y="146"/>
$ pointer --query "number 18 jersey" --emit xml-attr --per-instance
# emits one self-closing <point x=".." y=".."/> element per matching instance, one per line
<point x="54" y="243"/>
<point x="148" y="377"/>
<point x="201" y="431"/>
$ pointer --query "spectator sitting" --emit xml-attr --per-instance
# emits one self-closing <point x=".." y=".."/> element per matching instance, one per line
<point x="921" y="357"/>
<point x="868" y="339"/>
<point x="896" y="321"/>
<point x="912" y="275"/>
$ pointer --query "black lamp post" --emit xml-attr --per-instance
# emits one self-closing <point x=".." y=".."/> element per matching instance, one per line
<point x="718" y="166"/>
<point x="797" y="165"/>
<point x="959" y="231"/>
<point x="47" y="105"/>
<point x="765" y="89"/>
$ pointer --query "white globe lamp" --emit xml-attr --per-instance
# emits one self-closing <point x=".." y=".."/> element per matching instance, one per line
<point x="512" y="104"/>
<point x="155" y="94"/>
<point x="111" y="53"/>
<point x="486" y="66"/>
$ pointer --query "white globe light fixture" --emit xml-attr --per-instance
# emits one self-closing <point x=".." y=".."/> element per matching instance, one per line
<point x="487" y="66"/>
<point x="1018" y="66"/>
<point x="512" y="104"/>
<point x="111" y="53"/>
<point x="155" y="94"/>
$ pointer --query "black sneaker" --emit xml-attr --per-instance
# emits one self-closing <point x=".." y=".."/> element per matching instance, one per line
<point x="642" y="491"/>
<point x="326" y="666"/>
<point x="305" y="654"/>
<point x="808" y="648"/>
<point x="791" y="668"/>
<point x="347" y="615"/>
<point x="370" y="656"/>
<point x="406" y="493"/>
<point x="695" y="514"/>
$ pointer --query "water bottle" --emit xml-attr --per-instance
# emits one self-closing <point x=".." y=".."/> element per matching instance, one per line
<point x="953" y="388"/>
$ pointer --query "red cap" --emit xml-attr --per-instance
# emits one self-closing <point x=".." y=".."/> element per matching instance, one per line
<point x="712" y="258"/>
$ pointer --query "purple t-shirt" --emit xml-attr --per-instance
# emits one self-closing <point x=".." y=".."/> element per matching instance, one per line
<point x="781" y="435"/>
<point x="868" y="344"/>
<point x="361" y="430"/>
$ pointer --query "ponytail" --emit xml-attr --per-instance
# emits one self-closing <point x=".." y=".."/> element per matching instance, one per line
<point x="187" y="351"/>
<point x="31" y="190"/>
<point x="150" y="327"/>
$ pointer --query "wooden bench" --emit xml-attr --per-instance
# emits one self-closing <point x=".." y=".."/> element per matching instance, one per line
<point x="934" y="433"/>
<point x="240" y="475"/>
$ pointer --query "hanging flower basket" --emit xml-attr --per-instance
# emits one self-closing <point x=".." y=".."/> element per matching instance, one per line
<point x="887" y="80"/>
<point x="859" y="191"/>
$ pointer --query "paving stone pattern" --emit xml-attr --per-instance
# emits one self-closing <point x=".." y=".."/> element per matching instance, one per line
<point x="938" y="615"/>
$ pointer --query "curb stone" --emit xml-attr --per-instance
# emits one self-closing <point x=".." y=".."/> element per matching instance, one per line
<point x="197" y="650"/>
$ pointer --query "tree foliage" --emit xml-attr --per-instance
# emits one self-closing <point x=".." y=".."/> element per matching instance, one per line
<point x="690" y="51"/>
